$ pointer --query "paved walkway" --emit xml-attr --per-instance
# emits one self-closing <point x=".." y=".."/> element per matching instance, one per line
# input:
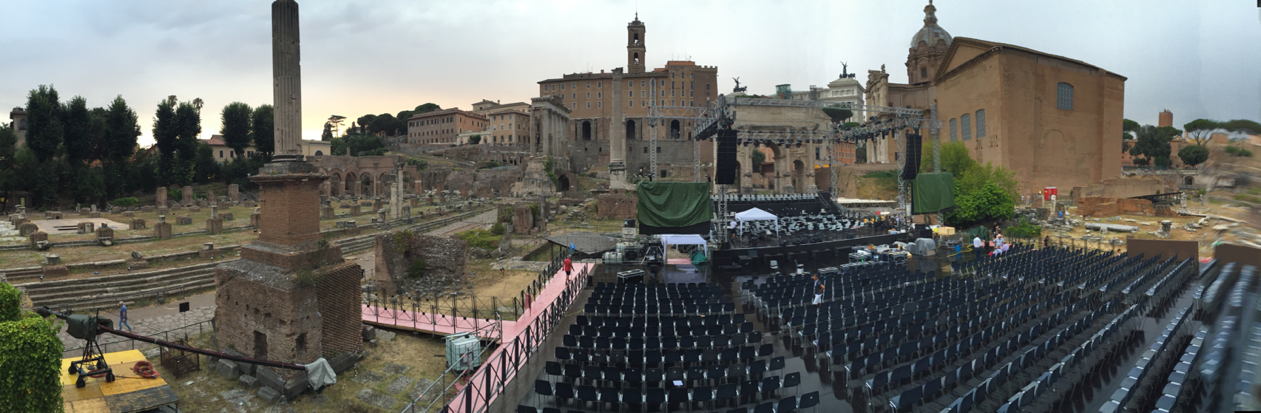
<point x="518" y="336"/>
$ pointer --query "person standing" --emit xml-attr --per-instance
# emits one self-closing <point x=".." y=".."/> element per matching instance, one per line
<point x="568" y="266"/>
<point x="122" y="316"/>
<point x="978" y="247"/>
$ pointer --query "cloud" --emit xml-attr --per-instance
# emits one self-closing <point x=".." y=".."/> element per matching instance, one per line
<point x="388" y="55"/>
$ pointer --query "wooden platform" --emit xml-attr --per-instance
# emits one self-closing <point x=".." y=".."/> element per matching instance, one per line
<point x="127" y="393"/>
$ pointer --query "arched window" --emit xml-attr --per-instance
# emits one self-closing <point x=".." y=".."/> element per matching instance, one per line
<point x="319" y="153"/>
<point x="965" y="126"/>
<point x="1064" y="96"/>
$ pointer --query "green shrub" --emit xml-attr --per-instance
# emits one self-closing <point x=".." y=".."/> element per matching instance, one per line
<point x="10" y="303"/>
<point x="417" y="269"/>
<point x="30" y="358"/>
<point x="497" y="229"/>
<point x="480" y="238"/>
<point x="125" y="201"/>
<point x="1237" y="151"/>
<point x="1024" y="229"/>
<point x="174" y="195"/>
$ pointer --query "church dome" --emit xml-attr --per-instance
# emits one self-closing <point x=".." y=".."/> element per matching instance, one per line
<point x="931" y="33"/>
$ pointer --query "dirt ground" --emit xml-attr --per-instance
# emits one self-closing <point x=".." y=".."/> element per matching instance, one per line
<point x="393" y="372"/>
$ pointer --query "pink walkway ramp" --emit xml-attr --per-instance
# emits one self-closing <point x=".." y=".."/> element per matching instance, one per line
<point x="424" y="322"/>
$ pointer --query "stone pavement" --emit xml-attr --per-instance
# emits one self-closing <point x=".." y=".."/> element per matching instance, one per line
<point x="153" y="325"/>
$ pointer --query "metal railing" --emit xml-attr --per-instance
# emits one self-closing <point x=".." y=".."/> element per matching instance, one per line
<point x="474" y="391"/>
<point x="121" y="343"/>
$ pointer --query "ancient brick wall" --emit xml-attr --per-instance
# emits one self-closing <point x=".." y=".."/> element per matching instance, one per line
<point x="616" y="205"/>
<point x="256" y="304"/>
<point x="444" y="263"/>
<point x="340" y="299"/>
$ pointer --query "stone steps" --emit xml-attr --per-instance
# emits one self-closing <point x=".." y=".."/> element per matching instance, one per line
<point x="110" y="301"/>
<point x="122" y="287"/>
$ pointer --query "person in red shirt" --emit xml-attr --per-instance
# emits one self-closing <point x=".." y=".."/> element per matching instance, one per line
<point x="568" y="266"/>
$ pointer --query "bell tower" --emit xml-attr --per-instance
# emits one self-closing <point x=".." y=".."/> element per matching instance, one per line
<point x="635" y="50"/>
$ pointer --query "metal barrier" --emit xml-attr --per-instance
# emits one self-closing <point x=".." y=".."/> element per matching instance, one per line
<point x="480" y="387"/>
<point x="120" y="343"/>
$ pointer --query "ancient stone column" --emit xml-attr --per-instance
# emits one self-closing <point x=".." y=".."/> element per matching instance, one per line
<point x="617" y="137"/>
<point x="286" y="77"/>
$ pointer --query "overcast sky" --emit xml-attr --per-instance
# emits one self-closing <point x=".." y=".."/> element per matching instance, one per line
<point x="1198" y="59"/>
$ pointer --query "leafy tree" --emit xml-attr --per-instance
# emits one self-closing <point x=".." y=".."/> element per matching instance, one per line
<point x="8" y="144"/>
<point x="1237" y="151"/>
<point x="384" y="123"/>
<point x="236" y="127"/>
<point x="475" y="139"/>
<point x="262" y="129"/>
<point x="88" y="184"/>
<point x="30" y="358"/>
<point x="359" y="145"/>
<point x="365" y="120"/>
<point x="424" y="108"/>
<point x="327" y="134"/>
<point x="1200" y="130"/>
<point x="207" y="169"/>
<point x="1130" y="128"/>
<point x="121" y="131"/>
<point x="188" y="126"/>
<point x="78" y="131"/>
<point x="142" y="172"/>
<point x="1193" y="155"/>
<point x="44" y="129"/>
<point x="1153" y="145"/>
<point x="166" y="136"/>
<point x="1242" y="126"/>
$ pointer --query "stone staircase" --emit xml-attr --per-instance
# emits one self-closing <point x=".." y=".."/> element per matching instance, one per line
<point x="106" y="291"/>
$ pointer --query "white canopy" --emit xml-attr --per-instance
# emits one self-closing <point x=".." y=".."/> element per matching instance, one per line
<point x="755" y="214"/>
<point x="682" y="239"/>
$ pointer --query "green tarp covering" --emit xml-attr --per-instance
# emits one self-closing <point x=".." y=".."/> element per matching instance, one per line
<point x="932" y="192"/>
<point x="673" y="204"/>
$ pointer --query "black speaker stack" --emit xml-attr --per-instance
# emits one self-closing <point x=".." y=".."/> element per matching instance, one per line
<point x="726" y="168"/>
<point x="913" y="145"/>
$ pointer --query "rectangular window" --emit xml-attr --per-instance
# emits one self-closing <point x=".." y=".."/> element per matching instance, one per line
<point x="1064" y="96"/>
<point x="980" y="123"/>
<point x="954" y="128"/>
<point x="965" y="126"/>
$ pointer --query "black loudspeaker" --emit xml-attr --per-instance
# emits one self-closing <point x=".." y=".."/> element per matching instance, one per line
<point x="913" y="144"/>
<point x="726" y="166"/>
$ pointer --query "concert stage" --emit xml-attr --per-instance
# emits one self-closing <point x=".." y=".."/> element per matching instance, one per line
<point x="812" y="255"/>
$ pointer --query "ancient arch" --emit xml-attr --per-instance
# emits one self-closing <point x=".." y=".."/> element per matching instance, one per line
<point x="798" y="176"/>
<point x="365" y="187"/>
<point x="335" y="183"/>
<point x="351" y="187"/>
<point x="562" y="183"/>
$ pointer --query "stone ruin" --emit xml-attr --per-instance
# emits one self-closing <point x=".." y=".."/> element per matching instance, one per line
<point x="534" y="181"/>
<point x="443" y="261"/>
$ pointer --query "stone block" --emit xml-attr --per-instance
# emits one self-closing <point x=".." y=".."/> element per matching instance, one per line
<point x="162" y="230"/>
<point x="86" y="227"/>
<point x="129" y="214"/>
<point x="234" y="193"/>
<point x="354" y="210"/>
<point x="227" y="369"/>
<point x="58" y="270"/>
<point x="187" y="195"/>
<point x="227" y="216"/>
<point x="214" y="226"/>
<point x="247" y="380"/>
<point x="326" y="212"/>
<point x="183" y="220"/>
<point x="254" y="219"/>
<point x="268" y="394"/>
<point x="38" y="236"/>
<point x="27" y="229"/>
<point x="137" y="224"/>
<point x="343" y="361"/>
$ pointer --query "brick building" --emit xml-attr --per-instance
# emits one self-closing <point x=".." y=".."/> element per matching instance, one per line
<point x="1053" y="120"/>
<point x="442" y="127"/>
<point x="508" y="124"/>
<point x="610" y="111"/>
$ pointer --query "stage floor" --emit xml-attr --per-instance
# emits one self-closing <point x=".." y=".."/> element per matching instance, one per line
<point x="127" y="393"/>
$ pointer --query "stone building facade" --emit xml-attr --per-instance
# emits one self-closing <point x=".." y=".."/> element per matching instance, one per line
<point x="18" y="119"/>
<point x="365" y="176"/>
<point x="610" y="112"/>
<point x="1052" y="120"/>
<point x="509" y="124"/>
<point x="442" y="127"/>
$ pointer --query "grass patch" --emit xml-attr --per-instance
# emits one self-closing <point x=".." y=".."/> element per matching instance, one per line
<point x="480" y="238"/>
